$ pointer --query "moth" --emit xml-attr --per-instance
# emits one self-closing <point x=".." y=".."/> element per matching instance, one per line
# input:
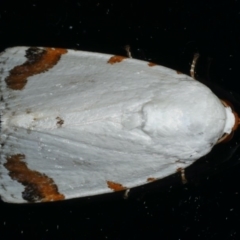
<point x="77" y="123"/>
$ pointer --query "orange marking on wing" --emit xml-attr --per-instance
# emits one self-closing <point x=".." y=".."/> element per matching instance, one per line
<point x="38" y="61"/>
<point x="151" y="179"/>
<point x="115" y="186"/>
<point x="38" y="186"/>
<point x="151" y="64"/>
<point x="115" y="59"/>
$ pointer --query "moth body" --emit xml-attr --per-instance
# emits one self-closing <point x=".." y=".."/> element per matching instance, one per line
<point x="77" y="124"/>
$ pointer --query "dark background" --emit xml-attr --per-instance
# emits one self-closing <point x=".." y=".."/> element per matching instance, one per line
<point x="166" y="32"/>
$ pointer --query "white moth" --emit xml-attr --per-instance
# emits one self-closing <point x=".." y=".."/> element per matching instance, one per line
<point x="77" y="124"/>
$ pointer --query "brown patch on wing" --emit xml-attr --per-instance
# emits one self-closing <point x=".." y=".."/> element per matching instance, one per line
<point x="38" y="186"/>
<point x="60" y="121"/>
<point x="151" y="179"/>
<point x="178" y="72"/>
<point x="115" y="59"/>
<point x="151" y="64"/>
<point x="115" y="186"/>
<point x="38" y="60"/>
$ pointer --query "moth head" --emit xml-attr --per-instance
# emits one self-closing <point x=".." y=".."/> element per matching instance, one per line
<point x="228" y="136"/>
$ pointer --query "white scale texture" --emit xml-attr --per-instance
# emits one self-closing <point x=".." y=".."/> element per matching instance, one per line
<point x="123" y="122"/>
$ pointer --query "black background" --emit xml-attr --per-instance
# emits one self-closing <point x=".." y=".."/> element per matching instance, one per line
<point x="166" y="32"/>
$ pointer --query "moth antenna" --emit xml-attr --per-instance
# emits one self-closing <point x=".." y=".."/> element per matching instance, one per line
<point x="193" y="65"/>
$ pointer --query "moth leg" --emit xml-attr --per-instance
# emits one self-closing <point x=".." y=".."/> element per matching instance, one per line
<point x="126" y="193"/>
<point x="183" y="177"/>
<point x="128" y="51"/>
<point x="193" y="65"/>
